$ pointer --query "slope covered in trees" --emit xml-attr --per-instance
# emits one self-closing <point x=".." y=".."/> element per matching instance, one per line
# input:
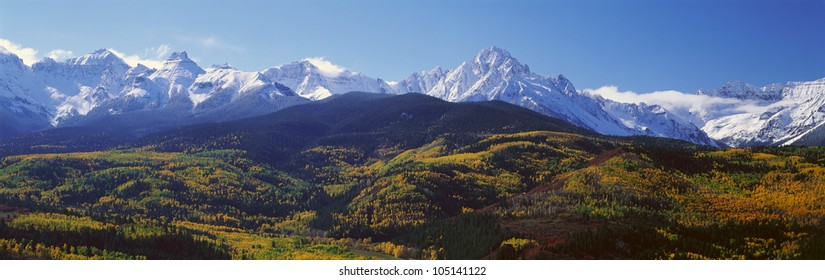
<point x="364" y="176"/>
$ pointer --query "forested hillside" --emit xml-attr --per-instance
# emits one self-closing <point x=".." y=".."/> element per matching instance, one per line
<point x="362" y="176"/>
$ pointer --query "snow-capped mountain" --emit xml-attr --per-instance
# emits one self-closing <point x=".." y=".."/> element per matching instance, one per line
<point x="21" y="108"/>
<point x="100" y="86"/>
<point x="184" y="92"/>
<point x="149" y="89"/>
<point x="317" y="79"/>
<point x="654" y="120"/>
<point x="139" y="92"/>
<point x="249" y="92"/>
<point x="742" y="90"/>
<point x="779" y="114"/>
<point x="176" y="75"/>
<point x="493" y="74"/>
<point x="79" y="84"/>
<point x="419" y="82"/>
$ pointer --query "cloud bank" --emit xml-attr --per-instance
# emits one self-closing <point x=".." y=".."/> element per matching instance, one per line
<point x="668" y="98"/>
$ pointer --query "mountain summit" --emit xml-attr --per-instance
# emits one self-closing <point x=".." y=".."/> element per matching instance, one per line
<point x="102" y="57"/>
<point x="499" y="59"/>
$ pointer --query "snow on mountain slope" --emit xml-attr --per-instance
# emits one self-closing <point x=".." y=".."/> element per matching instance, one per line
<point x="148" y="89"/>
<point x="223" y="84"/>
<point x="174" y="78"/>
<point x="139" y="92"/>
<point x="21" y="109"/>
<point x="814" y="137"/>
<point x="793" y="110"/>
<point x="493" y="74"/>
<point x="654" y="120"/>
<point x="742" y="90"/>
<point x="85" y="73"/>
<point x="79" y="84"/>
<point x="100" y="84"/>
<point x="317" y="79"/>
<point x="489" y="74"/>
<point x="739" y="114"/>
<point x="177" y="71"/>
<point x="419" y="82"/>
<point x="84" y="70"/>
<point x="16" y="81"/>
<point x="183" y="92"/>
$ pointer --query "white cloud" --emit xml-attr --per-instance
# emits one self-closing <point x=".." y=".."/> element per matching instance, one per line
<point x="60" y="55"/>
<point x="28" y="55"/>
<point x="667" y="98"/>
<point x="325" y="67"/>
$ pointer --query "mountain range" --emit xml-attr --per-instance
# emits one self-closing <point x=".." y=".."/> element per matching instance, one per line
<point x="100" y="90"/>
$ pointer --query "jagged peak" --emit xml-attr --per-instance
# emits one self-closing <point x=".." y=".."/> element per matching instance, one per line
<point x="492" y="55"/>
<point x="437" y="70"/>
<point x="139" y="69"/>
<point x="737" y="84"/>
<point x="7" y="55"/>
<point x="728" y="88"/>
<point x="46" y="60"/>
<point x="97" y="57"/>
<point x="103" y="51"/>
<point x="498" y="58"/>
<point x="179" y="61"/>
<point x="493" y="50"/>
<point x="743" y="90"/>
<point x="317" y="65"/>
<point x="559" y="79"/>
<point x="179" y="56"/>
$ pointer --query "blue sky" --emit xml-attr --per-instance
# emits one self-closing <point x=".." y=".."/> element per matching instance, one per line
<point x="636" y="45"/>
